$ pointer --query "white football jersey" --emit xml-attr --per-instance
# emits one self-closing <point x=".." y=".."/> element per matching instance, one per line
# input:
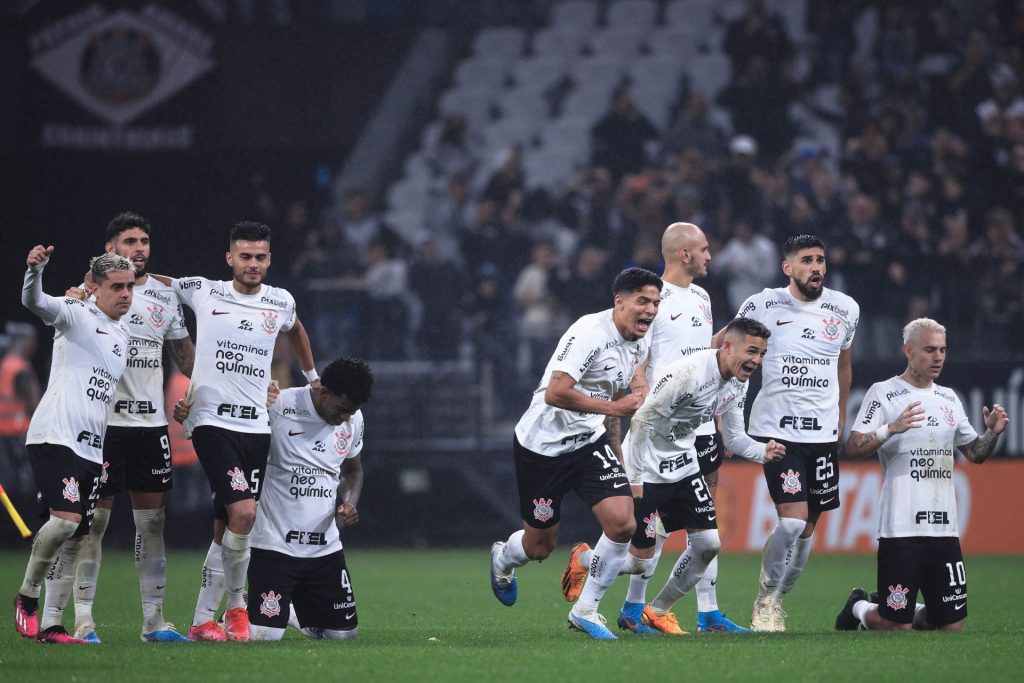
<point x="602" y="362"/>
<point x="799" y="397"/>
<point x="918" y="497"/>
<point x="683" y="326"/>
<point x="155" y="315"/>
<point x="690" y="392"/>
<point x="90" y="351"/>
<point x="235" y="335"/>
<point x="300" y="486"/>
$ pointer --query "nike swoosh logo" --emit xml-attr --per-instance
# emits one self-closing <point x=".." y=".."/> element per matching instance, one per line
<point x="782" y="322"/>
<point x="291" y="433"/>
<point x="164" y="480"/>
<point x="160" y="588"/>
<point x="960" y="606"/>
<point x="99" y="331"/>
<point x="712" y="518"/>
<point x="826" y="502"/>
<point x="216" y="312"/>
<point x="619" y="486"/>
<point x="609" y="367"/>
<point x="713" y="458"/>
<point x="348" y="616"/>
<point x="82" y="588"/>
<point x="673" y="317"/>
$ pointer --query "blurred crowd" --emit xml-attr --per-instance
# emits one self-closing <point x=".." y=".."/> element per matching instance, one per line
<point x="920" y="199"/>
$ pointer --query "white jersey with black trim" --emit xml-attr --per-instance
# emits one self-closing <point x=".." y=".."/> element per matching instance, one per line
<point x="799" y="397"/>
<point x="682" y="327"/>
<point x="602" y="362"/>
<point x="690" y="392"/>
<point x="300" y="486"/>
<point x="90" y="351"/>
<point x="235" y="336"/>
<point x="155" y="316"/>
<point x="918" y="497"/>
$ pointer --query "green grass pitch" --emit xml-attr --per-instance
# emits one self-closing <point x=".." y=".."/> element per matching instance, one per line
<point x="430" y="615"/>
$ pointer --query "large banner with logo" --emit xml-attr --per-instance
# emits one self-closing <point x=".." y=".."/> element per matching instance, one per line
<point x="111" y="71"/>
<point x="989" y="505"/>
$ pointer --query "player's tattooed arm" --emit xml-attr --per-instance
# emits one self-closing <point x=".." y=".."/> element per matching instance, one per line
<point x="981" y="448"/>
<point x="184" y="354"/>
<point x="638" y="384"/>
<point x="561" y="393"/>
<point x="862" y="444"/>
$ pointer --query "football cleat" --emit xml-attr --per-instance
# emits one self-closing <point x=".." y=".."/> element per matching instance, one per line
<point x="236" y="624"/>
<point x="874" y="597"/>
<point x="593" y="625"/>
<point x="845" y="621"/>
<point x="779" y="616"/>
<point x="57" y="635"/>
<point x="716" y="622"/>
<point x="504" y="588"/>
<point x="762" y="616"/>
<point x="575" y="575"/>
<point x="25" y="619"/>
<point x="209" y="631"/>
<point x="666" y="623"/>
<point x="165" y="634"/>
<point x="631" y="618"/>
<point x="87" y="632"/>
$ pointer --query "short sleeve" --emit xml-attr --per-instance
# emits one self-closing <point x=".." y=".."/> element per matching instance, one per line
<point x="358" y="431"/>
<point x="965" y="433"/>
<point x="751" y="308"/>
<point x="575" y="354"/>
<point x="189" y="289"/>
<point x="870" y="416"/>
<point x="176" y="329"/>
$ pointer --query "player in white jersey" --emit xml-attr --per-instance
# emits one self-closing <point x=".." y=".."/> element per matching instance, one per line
<point x="568" y="439"/>
<point x="683" y="327"/>
<point x="136" y="450"/>
<point x="915" y="425"/>
<point x="237" y="323"/>
<point x="802" y="403"/>
<point x="65" y="436"/>
<point x="312" y="486"/>
<point x="663" y="468"/>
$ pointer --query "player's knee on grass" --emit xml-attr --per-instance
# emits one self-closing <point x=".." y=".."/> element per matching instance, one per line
<point x="265" y="633"/>
<point x="349" y="634"/>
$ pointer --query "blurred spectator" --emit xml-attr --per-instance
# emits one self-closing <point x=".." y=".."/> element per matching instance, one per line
<point x="758" y="99"/>
<point x="535" y="293"/>
<point x="385" y="310"/>
<point x="449" y="217"/>
<point x="621" y="138"/>
<point x="584" y="289"/>
<point x="693" y="127"/>
<point x="455" y="152"/>
<point x="19" y="396"/>
<point x="507" y="177"/>
<point x="757" y="33"/>
<point x="996" y="260"/>
<point x="749" y="262"/>
<point x="360" y="225"/>
<point x="439" y="286"/>
<point x="493" y="332"/>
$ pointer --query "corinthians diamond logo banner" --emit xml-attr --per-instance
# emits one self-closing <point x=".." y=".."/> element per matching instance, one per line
<point x="118" y="65"/>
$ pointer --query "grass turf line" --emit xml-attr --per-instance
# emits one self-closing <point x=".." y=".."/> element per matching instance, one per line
<point x="407" y="598"/>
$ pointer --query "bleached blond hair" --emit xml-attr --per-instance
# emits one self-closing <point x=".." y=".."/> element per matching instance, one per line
<point x="914" y="329"/>
<point x="106" y="263"/>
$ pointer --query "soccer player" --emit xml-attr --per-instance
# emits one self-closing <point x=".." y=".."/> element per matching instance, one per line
<point x="915" y="425"/>
<point x="662" y="464"/>
<point x="682" y="328"/>
<point x="65" y="436"/>
<point x="237" y="323"/>
<point x="568" y="439"/>
<point x="136" y="450"/>
<point x="312" y="486"/>
<point x="802" y="404"/>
